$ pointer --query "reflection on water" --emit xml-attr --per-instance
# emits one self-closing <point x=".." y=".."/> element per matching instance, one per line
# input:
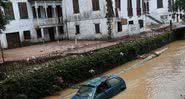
<point x="160" y="78"/>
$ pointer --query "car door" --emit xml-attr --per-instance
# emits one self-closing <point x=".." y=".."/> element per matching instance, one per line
<point x="101" y="91"/>
<point x="114" y="87"/>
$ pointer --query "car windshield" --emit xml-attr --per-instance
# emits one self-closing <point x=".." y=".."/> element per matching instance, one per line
<point x="85" y="91"/>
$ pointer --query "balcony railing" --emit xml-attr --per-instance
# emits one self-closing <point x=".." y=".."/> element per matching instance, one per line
<point x="49" y="21"/>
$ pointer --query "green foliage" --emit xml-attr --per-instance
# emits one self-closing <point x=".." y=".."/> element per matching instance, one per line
<point x="3" y="19"/>
<point x="179" y="4"/>
<point x="76" y="69"/>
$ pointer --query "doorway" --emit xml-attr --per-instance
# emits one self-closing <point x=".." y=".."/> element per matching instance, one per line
<point x="51" y="33"/>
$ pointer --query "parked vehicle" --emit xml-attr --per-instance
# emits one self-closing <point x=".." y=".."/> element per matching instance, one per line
<point x="103" y="87"/>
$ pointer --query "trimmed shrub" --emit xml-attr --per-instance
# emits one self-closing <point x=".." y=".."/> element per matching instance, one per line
<point x="73" y="70"/>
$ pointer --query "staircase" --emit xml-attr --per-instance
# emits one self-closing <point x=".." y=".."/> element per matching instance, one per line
<point x="154" y="19"/>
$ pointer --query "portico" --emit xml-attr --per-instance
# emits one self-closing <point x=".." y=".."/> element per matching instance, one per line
<point x="47" y="18"/>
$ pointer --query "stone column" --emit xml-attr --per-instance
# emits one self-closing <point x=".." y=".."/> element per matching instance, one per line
<point x="54" y="8"/>
<point x="45" y="7"/>
<point x="42" y="33"/>
<point x="57" y="33"/>
<point x="36" y="9"/>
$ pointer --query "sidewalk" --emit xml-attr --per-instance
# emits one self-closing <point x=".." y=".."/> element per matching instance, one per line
<point x="39" y="50"/>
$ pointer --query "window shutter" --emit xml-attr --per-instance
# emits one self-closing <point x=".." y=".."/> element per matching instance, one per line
<point x="97" y="28"/>
<point x="95" y="5"/>
<point x="76" y="6"/>
<point x="23" y="10"/>
<point x="138" y="7"/>
<point x="130" y="10"/>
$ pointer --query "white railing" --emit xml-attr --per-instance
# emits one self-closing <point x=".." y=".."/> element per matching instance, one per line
<point x="49" y="21"/>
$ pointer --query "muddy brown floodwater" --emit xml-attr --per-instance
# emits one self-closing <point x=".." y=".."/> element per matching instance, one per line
<point x="160" y="78"/>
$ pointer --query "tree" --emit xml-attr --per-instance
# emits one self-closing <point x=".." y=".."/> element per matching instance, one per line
<point x="3" y="20"/>
<point x="179" y="5"/>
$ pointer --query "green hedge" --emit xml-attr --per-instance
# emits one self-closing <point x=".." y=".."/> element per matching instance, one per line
<point x="76" y="69"/>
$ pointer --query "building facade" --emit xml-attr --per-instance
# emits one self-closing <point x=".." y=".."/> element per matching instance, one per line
<point x="32" y="21"/>
<point x="88" y="19"/>
<point x="161" y="12"/>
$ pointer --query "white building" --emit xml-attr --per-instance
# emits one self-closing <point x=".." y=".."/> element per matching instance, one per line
<point x="32" y="21"/>
<point x="47" y="20"/>
<point x="86" y="19"/>
<point x="160" y="11"/>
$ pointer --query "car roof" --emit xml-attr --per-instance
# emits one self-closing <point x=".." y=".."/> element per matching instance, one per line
<point x="97" y="81"/>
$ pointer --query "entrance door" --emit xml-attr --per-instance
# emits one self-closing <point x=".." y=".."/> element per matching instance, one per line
<point x="13" y="40"/>
<point x="51" y="34"/>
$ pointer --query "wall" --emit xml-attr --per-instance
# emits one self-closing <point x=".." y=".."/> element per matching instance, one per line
<point x="86" y="19"/>
<point x="158" y="12"/>
<point x="18" y="25"/>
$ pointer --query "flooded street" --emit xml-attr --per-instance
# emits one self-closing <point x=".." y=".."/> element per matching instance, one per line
<point x="160" y="78"/>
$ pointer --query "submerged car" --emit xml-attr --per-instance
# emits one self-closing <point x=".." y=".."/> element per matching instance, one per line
<point x="101" y="88"/>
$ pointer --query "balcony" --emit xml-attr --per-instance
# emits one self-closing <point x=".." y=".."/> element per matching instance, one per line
<point x="48" y="21"/>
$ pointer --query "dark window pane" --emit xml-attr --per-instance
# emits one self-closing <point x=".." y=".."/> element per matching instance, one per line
<point x="141" y="23"/>
<point x="159" y="3"/>
<point x="95" y="5"/>
<point x="59" y="10"/>
<point x="34" y="12"/>
<point x="77" y="29"/>
<point x="61" y="30"/>
<point x="23" y="10"/>
<point x="119" y="27"/>
<point x="131" y="22"/>
<point x="27" y="35"/>
<point x="49" y="11"/>
<point x="97" y="28"/>
<point x="118" y="4"/>
<point x="76" y="6"/>
<point x="138" y="7"/>
<point x="39" y="34"/>
<point x="130" y="9"/>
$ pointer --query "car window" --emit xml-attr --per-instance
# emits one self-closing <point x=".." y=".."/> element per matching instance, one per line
<point x="102" y="88"/>
<point x="113" y="82"/>
<point x="85" y="91"/>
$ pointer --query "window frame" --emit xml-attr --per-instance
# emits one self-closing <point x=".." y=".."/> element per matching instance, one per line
<point x="160" y="4"/>
<point x="77" y="27"/>
<point x="39" y="33"/>
<point x="76" y="8"/>
<point x="28" y="36"/>
<point x="97" y="28"/>
<point x="119" y="26"/>
<point x="95" y="5"/>
<point x="23" y="10"/>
